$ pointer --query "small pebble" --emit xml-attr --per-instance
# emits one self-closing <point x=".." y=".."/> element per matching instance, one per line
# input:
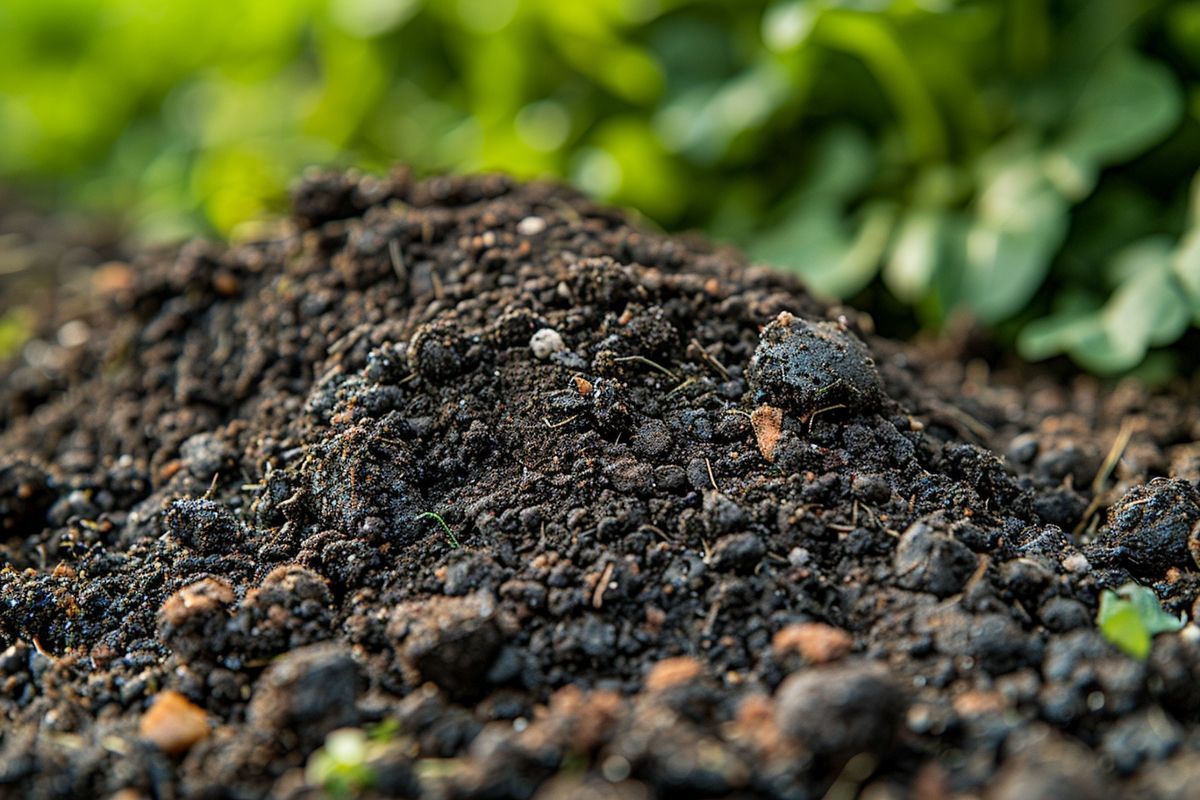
<point x="841" y="709"/>
<point x="1076" y="563"/>
<point x="546" y="342"/>
<point x="932" y="562"/>
<point x="673" y="672"/>
<point x="74" y="333"/>
<point x="173" y="723"/>
<point x="816" y="642"/>
<point x="738" y="552"/>
<point x="531" y="226"/>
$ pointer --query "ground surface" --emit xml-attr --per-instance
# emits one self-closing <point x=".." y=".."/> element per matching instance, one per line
<point x="713" y="538"/>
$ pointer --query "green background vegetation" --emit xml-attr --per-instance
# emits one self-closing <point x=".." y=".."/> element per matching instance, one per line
<point x="1027" y="163"/>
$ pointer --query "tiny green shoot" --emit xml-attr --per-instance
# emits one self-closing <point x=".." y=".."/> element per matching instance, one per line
<point x="16" y="327"/>
<point x="384" y="732"/>
<point x="341" y="767"/>
<point x="449" y="533"/>
<point x="1130" y="617"/>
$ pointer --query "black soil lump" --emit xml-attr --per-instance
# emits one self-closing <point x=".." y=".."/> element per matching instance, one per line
<point x="804" y="367"/>
<point x="451" y="641"/>
<point x="1152" y="529"/>
<point x="308" y="692"/>
<point x="841" y="711"/>
<point x="203" y="525"/>
<point x="933" y="562"/>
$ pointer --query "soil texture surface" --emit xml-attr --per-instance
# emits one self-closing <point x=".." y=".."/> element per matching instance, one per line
<point x="466" y="488"/>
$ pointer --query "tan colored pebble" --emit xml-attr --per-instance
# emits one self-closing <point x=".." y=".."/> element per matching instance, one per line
<point x="817" y="642"/>
<point x="673" y="672"/>
<point x="173" y="723"/>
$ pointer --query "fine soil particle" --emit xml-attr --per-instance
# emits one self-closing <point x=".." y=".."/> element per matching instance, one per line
<point x="544" y="504"/>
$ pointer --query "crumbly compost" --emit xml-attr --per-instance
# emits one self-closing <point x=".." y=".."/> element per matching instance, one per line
<point x="554" y="506"/>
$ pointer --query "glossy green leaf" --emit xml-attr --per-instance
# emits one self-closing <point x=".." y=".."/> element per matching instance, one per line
<point x="835" y="256"/>
<point x="1186" y="259"/>
<point x="1130" y="617"/>
<point x="1020" y="221"/>
<point x="1148" y="309"/>
<point x="915" y="255"/>
<point x="1128" y="103"/>
<point x="1058" y="333"/>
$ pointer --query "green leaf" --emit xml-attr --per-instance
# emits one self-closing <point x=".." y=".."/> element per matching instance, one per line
<point x="814" y="238"/>
<point x="341" y="767"/>
<point x="1146" y="310"/>
<point x="1186" y="260"/>
<point x="16" y="327"/>
<point x="1057" y="333"/>
<point x="1123" y="628"/>
<point x="916" y="252"/>
<point x="705" y="122"/>
<point x="1004" y="269"/>
<point x="1130" y="617"/>
<point x="1128" y="104"/>
<point x="816" y="242"/>
<point x="1020" y="220"/>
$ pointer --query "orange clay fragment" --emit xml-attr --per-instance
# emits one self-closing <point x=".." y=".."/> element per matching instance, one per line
<point x="673" y="672"/>
<point x="816" y="642"/>
<point x="767" y="422"/>
<point x="173" y="723"/>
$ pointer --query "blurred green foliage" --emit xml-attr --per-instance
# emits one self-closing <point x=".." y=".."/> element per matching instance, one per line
<point x="1026" y="162"/>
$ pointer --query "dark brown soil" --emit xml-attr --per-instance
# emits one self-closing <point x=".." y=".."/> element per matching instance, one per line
<point x="704" y="536"/>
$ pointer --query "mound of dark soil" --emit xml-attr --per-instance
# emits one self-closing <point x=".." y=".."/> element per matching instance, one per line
<point x="551" y="505"/>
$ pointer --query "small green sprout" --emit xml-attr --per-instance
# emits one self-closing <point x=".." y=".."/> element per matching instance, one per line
<point x="449" y="533"/>
<point x="340" y="767"/>
<point x="1131" y="616"/>
<point x="384" y="732"/>
<point x="15" y="329"/>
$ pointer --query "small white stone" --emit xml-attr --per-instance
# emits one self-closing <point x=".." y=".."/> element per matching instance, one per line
<point x="546" y="343"/>
<point x="74" y="333"/>
<point x="1076" y="562"/>
<point x="531" y="226"/>
<point x="615" y="769"/>
<point x="799" y="557"/>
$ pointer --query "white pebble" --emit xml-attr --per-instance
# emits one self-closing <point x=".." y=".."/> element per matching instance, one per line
<point x="531" y="226"/>
<point x="74" y="333"/>
<point x="1076" y="562"/>
<point x="546" y="343"/>
<point x="799" y="557"/>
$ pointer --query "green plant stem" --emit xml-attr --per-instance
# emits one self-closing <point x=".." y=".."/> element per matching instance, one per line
<point x="449" y="533"/>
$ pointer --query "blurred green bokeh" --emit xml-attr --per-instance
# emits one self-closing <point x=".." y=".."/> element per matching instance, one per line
<point x="1027" y="163"/>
